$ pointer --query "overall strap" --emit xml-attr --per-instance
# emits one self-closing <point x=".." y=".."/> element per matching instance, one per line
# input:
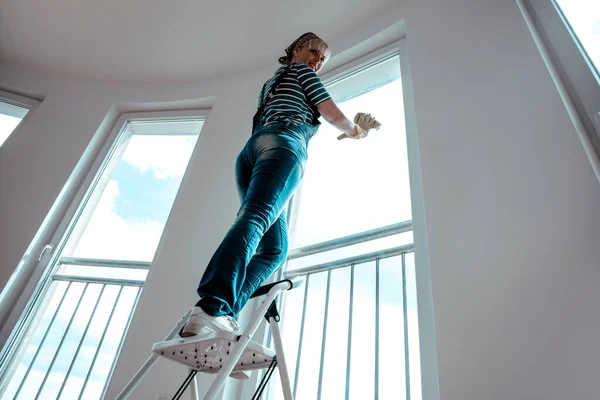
<point x="272" y="91"/>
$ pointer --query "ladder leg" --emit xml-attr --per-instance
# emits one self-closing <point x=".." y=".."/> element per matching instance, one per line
<point x="239" y="346"/>
<point x="265" y="380"/>
<point x="137" y="378"/>
<point x="185" y="384"/>
<point x="283" y="371"/>
<point x="194" y="388"/>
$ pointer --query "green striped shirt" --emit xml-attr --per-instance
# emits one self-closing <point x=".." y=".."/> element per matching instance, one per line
<point x="296" y="97"/>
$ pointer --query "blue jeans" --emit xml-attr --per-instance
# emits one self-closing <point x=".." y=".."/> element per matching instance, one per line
<point x="268" y="170"/>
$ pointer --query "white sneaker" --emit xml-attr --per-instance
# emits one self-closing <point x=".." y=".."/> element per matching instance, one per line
<point x="199" y="322"/>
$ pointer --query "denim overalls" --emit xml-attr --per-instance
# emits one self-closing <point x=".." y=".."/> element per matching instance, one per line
<point x="268" y="170"/>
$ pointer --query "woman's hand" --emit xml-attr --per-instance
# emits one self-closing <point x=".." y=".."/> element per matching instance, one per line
<point x="363" y="124"/>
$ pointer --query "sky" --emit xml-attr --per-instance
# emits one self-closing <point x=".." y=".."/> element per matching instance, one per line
<point x="130" y="216"/>
<point x="7" y="125"/>
<point x="584" y="18"/>
<point x="349" y="186"/>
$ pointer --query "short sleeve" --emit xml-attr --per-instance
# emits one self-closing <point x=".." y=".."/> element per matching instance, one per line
<point x="311" y="84"/>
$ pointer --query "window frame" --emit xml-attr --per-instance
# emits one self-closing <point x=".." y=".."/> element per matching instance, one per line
<point x="427" y="342"/>
<point x="30" y="281"/>
<point x="362" y="64"/>
<point x="338" y="76"/>
<point x="574" y="74"/>
<point x="18" y="100"/>
<point x="28" y="103"/>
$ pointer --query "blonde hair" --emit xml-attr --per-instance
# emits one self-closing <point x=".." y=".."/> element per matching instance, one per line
<point x="318" y="44"/>
<point x="313" y="41"/>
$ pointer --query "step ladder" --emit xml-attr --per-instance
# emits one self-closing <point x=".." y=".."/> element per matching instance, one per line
<point x="222" y="353"/>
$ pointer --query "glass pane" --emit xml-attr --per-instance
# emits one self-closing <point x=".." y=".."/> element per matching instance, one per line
<point x="331" y="203"/>
<point x="127" y="212"/>
<point x="49" y="345"/>
<point x="584" y="18"/>
<point x="30" y="347"/>
<point x="111" y="343"/>
<point x="10" y="117"/>
<point x="90" y="343"/>
<point x="79" y="351"/>
<point x="362" y="356"/>
<point x="413" y="328"/>
<point x="310" y="354"/>
<point x="70" y="351"/>
<point x="351" y="186"/>
<point x="391" y="330"/>
<point x="70" y="346"/>
<point x="336" y="344"/>
<point x="392" y="353"/>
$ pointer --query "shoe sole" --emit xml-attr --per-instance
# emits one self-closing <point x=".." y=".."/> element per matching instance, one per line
<point x="195" y="328"/>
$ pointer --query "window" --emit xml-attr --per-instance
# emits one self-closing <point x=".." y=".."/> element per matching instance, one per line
<point x="66" y="345"/>
<point x="13" y="109"/>
<point x="583" y="17"/>
<point x="351" y="332"/>
<point x="568" y="35"/>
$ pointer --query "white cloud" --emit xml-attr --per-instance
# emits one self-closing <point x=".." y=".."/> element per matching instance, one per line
<point x="584" y="17"/>
<point x="166" y="156"/>
<point x="108" y="235"/>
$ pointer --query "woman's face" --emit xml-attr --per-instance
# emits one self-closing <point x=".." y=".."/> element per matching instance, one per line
<point x="314" y="58"/>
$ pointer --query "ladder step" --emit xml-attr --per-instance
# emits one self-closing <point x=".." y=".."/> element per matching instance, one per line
<point x="207" y="353"/>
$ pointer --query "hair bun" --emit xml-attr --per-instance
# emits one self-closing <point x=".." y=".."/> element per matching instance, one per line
<point x="285" y="60"/>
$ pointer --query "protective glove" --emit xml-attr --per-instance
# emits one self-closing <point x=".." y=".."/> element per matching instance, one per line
<point x="363" y="124"/>
<point x="366" y="121"/>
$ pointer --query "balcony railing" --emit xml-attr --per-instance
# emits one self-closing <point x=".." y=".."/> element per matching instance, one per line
<point x="333" y="282"/>
<point x="79" y="330"/>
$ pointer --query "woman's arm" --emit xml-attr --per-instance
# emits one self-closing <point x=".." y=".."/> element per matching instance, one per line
<point x="332" y="114"/>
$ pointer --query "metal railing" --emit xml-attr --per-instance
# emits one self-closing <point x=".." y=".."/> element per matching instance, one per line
<point x="349" y="240"/>
<point x="65" y="316"/>
<point x="350" y="263"/>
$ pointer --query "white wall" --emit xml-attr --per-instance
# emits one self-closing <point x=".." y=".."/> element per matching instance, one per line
<point x="511" y="205"/>
<point x="510" y="202"/>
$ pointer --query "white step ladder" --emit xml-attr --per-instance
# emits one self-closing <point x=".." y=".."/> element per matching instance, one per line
<point x="224" y="352"/>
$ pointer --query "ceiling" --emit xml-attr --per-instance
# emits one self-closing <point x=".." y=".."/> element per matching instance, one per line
<point x="159" y="40"/>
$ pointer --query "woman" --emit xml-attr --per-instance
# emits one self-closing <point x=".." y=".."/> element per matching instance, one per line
<point x="268" y="170"/>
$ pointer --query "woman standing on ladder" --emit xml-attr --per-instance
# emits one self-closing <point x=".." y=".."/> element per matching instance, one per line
<point x="268" y="170"/>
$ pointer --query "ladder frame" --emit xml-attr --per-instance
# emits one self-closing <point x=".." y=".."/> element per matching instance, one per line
<point x="266" y="309"/>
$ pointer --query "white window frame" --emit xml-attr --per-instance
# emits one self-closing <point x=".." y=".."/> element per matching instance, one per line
<point x="428" y="347"/>
<point x="427" y="341"/>
<point x="18" y="100"/>
<point x="27" y="103"/>
<point x="20" y="298"/>
<point x="575" y="77"/>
